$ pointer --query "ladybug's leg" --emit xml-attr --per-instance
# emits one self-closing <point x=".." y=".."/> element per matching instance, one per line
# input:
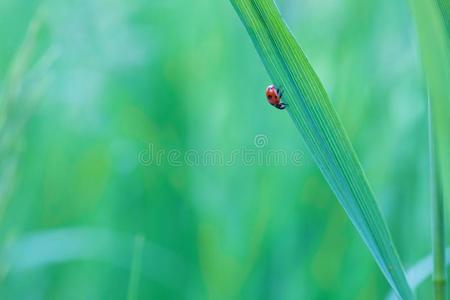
<point x="281" y="106"/>
<point x="280" y="92"/>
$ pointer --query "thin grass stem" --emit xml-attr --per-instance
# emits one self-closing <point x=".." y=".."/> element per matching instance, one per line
<point x="437" y="217"/>
<point x="136" y="264"/>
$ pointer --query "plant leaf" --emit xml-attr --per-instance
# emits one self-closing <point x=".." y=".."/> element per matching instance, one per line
<point x="431" y="18"/>
<point x="318" y="123"/>
<point x="420" y="271"/>
<point x="433" y="30"/>
<point x="444" y="7"/>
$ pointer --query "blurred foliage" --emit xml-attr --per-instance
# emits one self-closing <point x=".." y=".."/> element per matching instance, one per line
<point x="105" y="79"/>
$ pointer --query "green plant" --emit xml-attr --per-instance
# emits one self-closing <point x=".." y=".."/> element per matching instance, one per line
<point x="317" y="121"/>
<point x="22" y="87"/>
<point x="432" y="23"/>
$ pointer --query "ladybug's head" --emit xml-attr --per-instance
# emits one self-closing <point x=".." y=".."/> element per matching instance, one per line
<point x="271" y="91"/>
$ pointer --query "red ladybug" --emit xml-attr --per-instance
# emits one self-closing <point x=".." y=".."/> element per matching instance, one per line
<point x="274" y="96"/>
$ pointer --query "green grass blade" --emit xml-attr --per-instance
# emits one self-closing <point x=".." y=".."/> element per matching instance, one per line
<point x="437" y="216"/>
<point x="438" y="227"/>
<point x="20" y="93"/>
<point x="136" y="265"/>
<point x="317" y="121"/>
<point x="434" y="38"/>
<point x="444" y="7"/>
<point x="432" y="23"/>
<point x="418" y="273"/>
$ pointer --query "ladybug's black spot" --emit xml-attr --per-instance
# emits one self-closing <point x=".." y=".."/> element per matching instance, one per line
<point x="269" y="97"/>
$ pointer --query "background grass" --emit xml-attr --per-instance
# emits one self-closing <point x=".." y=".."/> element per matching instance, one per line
<point x="184" y="75"/>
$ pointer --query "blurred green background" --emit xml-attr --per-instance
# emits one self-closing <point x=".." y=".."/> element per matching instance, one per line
<point x="88" y="86"/>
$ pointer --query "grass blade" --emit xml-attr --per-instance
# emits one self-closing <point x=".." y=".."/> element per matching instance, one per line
<point x="432" y="23"/>
<point x="136" y="265"/>
<point x="42" y="249"/>
<point x="437" y="216"/>
<point x="317" y="121"/>
<point x="420" y="271"/>
<point x="20" y="92"/>
<point x="444" y="7"/>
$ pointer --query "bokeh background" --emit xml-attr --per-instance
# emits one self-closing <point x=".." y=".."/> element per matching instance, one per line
<point x="87" y="86"/>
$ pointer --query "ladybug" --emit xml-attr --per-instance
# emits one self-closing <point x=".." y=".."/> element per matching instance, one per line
<point x="274" y="96"/>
